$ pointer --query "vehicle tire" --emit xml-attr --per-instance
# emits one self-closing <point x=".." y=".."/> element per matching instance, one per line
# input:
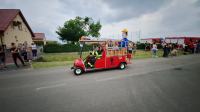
<point x="78" y="71"/>
<point x="122" y="66"/>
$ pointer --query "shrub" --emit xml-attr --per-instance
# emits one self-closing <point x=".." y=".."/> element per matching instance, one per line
<point x="159" y="46"/>
<point x="58" y="48"/>
<point x="140" y="46"/>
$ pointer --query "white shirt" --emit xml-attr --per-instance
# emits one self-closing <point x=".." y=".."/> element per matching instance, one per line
<point x="154" y="46"/>
<point x="34" y="47"/>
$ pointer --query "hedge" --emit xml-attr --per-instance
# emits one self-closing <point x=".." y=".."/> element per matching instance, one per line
<point x="58" y="48"/>
<point x="142" y="46"/>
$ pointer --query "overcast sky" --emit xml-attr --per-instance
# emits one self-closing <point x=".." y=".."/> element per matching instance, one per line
<point x="152" y="18"/>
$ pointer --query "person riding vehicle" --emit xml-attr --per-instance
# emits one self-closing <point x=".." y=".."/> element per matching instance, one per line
<point x="90" y="60"/>
<point x="99" y="52"/>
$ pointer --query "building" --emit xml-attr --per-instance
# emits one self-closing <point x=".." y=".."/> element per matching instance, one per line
<point x="181" y="40"/>
<point x="39" y="39"/>
<point x="151" y="40"/>
<point x="14" y="28"/>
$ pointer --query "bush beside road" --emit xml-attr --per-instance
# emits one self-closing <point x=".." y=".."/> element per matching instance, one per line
<point x="59" y="48"/>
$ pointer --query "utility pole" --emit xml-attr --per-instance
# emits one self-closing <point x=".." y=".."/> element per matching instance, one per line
<point x="132" y="36"/>
<point x="139" y="33"/>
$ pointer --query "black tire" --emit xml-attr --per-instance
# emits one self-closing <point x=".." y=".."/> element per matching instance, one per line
<point x="78" y="71"/>
<point x="122" y="66"/>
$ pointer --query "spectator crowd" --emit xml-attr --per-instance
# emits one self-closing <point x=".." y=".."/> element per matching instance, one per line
<point x="22" y="52"/>
<point x="172" y="49"/>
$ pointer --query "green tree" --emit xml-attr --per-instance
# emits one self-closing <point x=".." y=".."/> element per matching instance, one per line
<point x="73" y="29"/>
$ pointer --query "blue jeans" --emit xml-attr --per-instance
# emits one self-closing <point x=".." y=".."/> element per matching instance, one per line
<point x="154" y="52"/>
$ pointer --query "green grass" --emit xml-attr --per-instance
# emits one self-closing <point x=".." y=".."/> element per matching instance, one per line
<point x="50" y="64"/>
<point x="64" y="59"/>
<point x="56" y="59"/>
<point x="141" y="54"/>
<point x="51" y="57"/>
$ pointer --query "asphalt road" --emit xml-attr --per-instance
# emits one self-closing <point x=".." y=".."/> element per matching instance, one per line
<point x="149" y="85"/>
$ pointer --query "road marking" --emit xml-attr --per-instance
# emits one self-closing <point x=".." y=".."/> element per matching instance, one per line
<point x="110" y="78"/>
<point x="128" y="75"/>
<point x="52" y="86"/>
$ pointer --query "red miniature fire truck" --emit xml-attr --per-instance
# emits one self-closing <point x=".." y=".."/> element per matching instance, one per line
<point x="112" y="56"/>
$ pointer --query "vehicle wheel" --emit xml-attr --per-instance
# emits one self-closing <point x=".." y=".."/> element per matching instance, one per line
<point x="78" y="71"/>
<point x="122" y="66"/>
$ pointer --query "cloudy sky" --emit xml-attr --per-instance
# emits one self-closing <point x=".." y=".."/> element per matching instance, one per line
<point x="143" y="18"/>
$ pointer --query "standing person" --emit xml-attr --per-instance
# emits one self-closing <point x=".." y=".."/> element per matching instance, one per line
<point x="29" y="53"/>
<point x="15" y="54"/>
<point x="169" y="49"/>
<point x="154" y="50"/>
<point x="185" y="46"/>
<point x="134" y="48"/>
<point x="146" y="45"/>
<point x="24" y="52"/>
<point x="130" y="51"/>
<point x="25" y="48"/>
<point x="19" y="46"/>
<point x="165" y="50"/>
<point x="198" y="47"/>
<point x="2" y="58"/>
<point x="191" y="46"/>
<point x="34" y="50"/>
<point x="195" y="46"/>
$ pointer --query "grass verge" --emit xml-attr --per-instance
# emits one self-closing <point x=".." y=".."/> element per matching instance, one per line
<point x="64" y="59"/>
<point x="37" y="65"/>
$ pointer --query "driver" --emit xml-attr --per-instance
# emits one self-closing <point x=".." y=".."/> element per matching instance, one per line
<point x="98" y="52"/>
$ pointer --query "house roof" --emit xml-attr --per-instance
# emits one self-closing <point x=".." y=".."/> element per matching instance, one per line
<point x="7" y="16"/>
<point x="39" y="36"/>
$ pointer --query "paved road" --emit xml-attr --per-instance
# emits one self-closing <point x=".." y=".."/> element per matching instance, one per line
<point x="150" y="85"/>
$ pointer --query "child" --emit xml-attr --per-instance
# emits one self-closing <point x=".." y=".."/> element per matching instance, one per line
<point x="154" y="50"/>
<point x="116" y="49"/>
<point x="130" y="51"/>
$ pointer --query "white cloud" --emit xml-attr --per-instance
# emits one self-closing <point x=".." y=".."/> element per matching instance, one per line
<point x="174" y="19"/>
<point x="154" y="19"/>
